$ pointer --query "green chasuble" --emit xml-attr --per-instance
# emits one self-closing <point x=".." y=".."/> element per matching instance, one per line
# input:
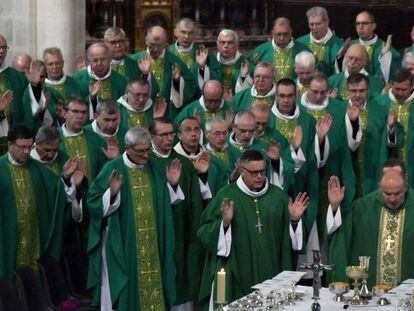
<point x="205" y="116"/>
<point x="338" y="81"/>
<point x="307" y="177"/>
<point x="325" y="53"/>
<point x="339" y="162"/>
<point x="131" y="118"/>
<point x="227" y="157"/>
<point x="112" y="87"/>
<point x="103" y="141"/>
<point x="140" y="241"/>
<point x="161" y="81"/>
<point x="187" y="215"/>
<point x="283" y="61"/>
<point x="129" y="69"/>
<point x="230" y="74"/>
<point x="32" y="208"/>
<point x="189" y="58"/>
<point x="254" y="257"/>
<point x="61" y="91"/>
<point x="371" y="229"/>
<point x="373" y="65"/>
<point x="243" y="100"/>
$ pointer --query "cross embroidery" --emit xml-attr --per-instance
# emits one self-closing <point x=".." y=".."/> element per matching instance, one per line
<point x="148" y="272"/>
<point x="140" y="187"/>
<point x="145" y="230"/>
<point x="389" y="242"/>
<point x="259" y="225"/>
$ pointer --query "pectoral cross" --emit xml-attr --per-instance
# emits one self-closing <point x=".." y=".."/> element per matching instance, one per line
<point x="389" y="242"/>
<point x="259" y="225"/>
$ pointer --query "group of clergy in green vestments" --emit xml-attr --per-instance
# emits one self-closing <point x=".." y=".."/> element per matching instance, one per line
<point x="163" y="167"/>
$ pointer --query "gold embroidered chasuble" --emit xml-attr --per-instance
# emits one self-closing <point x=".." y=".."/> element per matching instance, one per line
<point x="227" y="78"/>
<point x="360" y="152"/>
<point x="27" y="223"/>
<point x="403" y="115"/>
<point x="157" y="70"/>
<point x="187" y="58"/>
<point x="370" y="51"/>
<point x="317" y="114"/>
<point x="76" y="147"/>
<point x="136" y="119"/>
<point x="318" y="50"/>
<point x="283" y="63"/>
<point x="286" y="127"/>
<point x="105" y="92"/>
<point x="149" y="273"/>
<point x="390" y="237"/>
<point x="59" y="88"/>
<point x="118" y="68"/>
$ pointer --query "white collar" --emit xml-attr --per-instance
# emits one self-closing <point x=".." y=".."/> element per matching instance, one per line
<point x="159" y="57"/>
<point x="180" y="150"/>
<point x="228" y="62"/>
<point x="183" y="50"/>
<point x="363" y="71"/>
<point x="254" y="194"/>
<point x="95" y="77"/>
<point x="253" y="92"/>
<point x="394" y="100"/>
<point x="67" y="133"/>
<point x="325" y="39"/>
<point x="304" y="100"/>
<point x="123" y="102"/>
<point x="287" y="47"/>
<point x="209" y="148"/>
<point x="203" y="105"/>
<point x="98" y="131"/>
<point x="282" y="116"/>
<point x="35" y="155"/>
<point x="236" y="143"/>
<point x="118" y="62"/>
<point x="159" y="155"/>
<point x="364" y="106"/>
<point x="3" y="67"/>
<point x="129" y="163"/>
<point x="13" y="161"/>
<point x="51" y="81"/>
<point x="369" y="42"/>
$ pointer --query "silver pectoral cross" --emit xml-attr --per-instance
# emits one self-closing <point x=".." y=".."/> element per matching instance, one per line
<point x="259" y="225"/>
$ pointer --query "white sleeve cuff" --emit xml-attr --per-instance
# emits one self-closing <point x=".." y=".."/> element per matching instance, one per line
<point x="275" y="178"/>
<point x="177" y="98"/>
<point x="353" y="143"/>
<point x="385" y="62"/>
<point x="109" y="208"/>
<point x="240" y="86"/>
<point x="296" y="236"/>
<point x="70" y="191"/>
<point x="35" y="105"/>
<point x="77" y="212"/>
<point x="390" y="143"/>
<point x="202" y="79"/>
<point x="333" y="223"/>
<point x="205" y="190"/>
<point x="4" y="127"/>
<point x="175" y="196"/>
<point x="298" y="157"/>
<point x="321" y="162"/>
<point x="224" y="242"/>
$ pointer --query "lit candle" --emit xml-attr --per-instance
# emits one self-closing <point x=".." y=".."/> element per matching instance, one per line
<point x="221" y="286"/>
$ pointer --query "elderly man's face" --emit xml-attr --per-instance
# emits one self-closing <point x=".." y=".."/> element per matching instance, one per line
<point x="99" y="61"/>
<point x="262" y="119"/>
<point x="227" y="46"/>
<point x="303" y="73"/>
<point x="156" y="42"/>
<point x="253" y="174"/>
<point x="364" y="26"/>
<point x="137" y="95"/>
<point x="139" y="153"/>
<point x="54" y="66"/>
<point x="358" y="93"/>
<point x="164" y="137"/>
<point x="355" y="59"/>
<point x="3" y="49"/>
<point x="263" y="80"/>
<point x="212" y="99"/>
<point x="185" y="35"/>
<point x="285" y="98"/>
<point x="317" y="91"/>
<point x="282" y="34"/>
<point x="20" y="149"/>
<point x="217" y="136"/>
<point x="393" y="188"/>
<point x="402" y="90"/>
<point x="48" y="150"/>
<point x="244" y="131"/>
<point x="190" y="132"/>
<point x="318" y="26"/>
<point x="117" y="45"/>
<point x="108" y="122"/>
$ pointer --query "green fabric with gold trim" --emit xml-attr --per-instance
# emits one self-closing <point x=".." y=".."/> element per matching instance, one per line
<point x="62" y="92"/>
<point x="129" y="69"/>
<point x="132" y="119"/>
<point x="243" y="100"/>
<point x="32" y="210"/>
<point x="371" y="229"/>
<point x="137" y="281"/>
<point x="103" y="141"/>
<point x="230" y="73"/>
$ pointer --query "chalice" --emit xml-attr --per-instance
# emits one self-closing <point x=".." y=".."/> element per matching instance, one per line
<point x="379" y="290"/>
<point x="339" y="289"/>
<point x="356" y="273"/>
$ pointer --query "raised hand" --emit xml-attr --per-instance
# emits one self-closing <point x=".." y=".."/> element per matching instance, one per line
<point x="256" y="59"/>
<point x="94" y="88"/>
<point x="80" y="62"/>
<point x="323" y="126"/>
<point x="235" y="174"/>
<point x="387" y="45"/>
<point x="333" y="93"/>
<point x="112" y="149"/>
<point x="386" y="88"/>
<point x="227" y="211"/>
<point x="79" y="174"/>
<point x="160" y="108"/>
<point x="298" y="207"/>
<point x="296" y="138"/>
<point x="70" y="167"/>
<point x="197" y="115"/>
<point x="174" y="172"/>
<point x="36" y="72"/>
<point x="202" y="162"/>
<point x="244" y="68"/>
<point x="227" y="95"/>
<point x="273" y="151"/>
<point x="344" y="48"/>
<point x="392" y="119"/>
<point x="176" y="72"/>
<point x="335" y="193"/>
<point x="115" y="183"/>
<point x="144" y="64"/>
<point x="5" y="100"/>
<point x="230" y="118"/>
<point x="352" y="111"/>
<point x="201" y="56"/>
<point x="48" y="99"/>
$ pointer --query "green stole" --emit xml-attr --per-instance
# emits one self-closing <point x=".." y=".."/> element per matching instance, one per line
<point x="286" y="127"/>
<point x="76" y="147"/>
<point x="228" y="78"/>
<point x="157" y="70"/>
<point x="370" y="51"/>
<point x="283" y="63"/>
<point x="136" y="119"/>
<point x="360" y="154"/>
<point x="105" y="93"/>
<point x="118" y="68"/>
<point x="403" y="114"/>
<point x="27" y="224"/>
<point x="59" y="88"/>
<point x="187" y="58"/>
<point x="318" y="50"/>
<point x="148" y="261"/>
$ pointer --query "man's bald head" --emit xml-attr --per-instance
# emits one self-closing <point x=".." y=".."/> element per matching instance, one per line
<point x="156" y="40"/>
<point x="213" y="95"/>
<point x="355" y="58"/>
<point x="393" y="184"/>
<point x="3" y="49"/>
<point x="99" y="60"/>
<point x="21" y="62"/>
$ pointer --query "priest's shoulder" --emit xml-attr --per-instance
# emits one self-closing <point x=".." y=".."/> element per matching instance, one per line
<point x="81" y="75"/>
<point x="137" y="55"/>
<point x="299" y="46"/>
<point x="369" y="201"/>
<point x="304" y="39"/>
<point x="277" y="192"/>
<point x="262" y="48"/>
<point x="15" y="76"/>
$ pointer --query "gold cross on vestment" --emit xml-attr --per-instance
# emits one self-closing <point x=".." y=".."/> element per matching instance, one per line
<point x="145" y="229"/>
<point x="389" y="242"/>
<point x="140" y="187"/>
<point x="26" y="205"/>
<point x="148" y="272"/>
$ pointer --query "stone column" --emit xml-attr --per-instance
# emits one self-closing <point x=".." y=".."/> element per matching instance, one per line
<point x="31" y="26"/>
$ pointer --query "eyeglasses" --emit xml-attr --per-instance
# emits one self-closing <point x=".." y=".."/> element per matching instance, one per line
<point x="165" y="135"/>
<point x="4" y="47"/>
<point x="115" y="42"/>
<point x="256" y="172"/>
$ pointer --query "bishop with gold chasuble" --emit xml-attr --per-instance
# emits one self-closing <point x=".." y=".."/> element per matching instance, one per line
<point x="372" y="229"/>
<point x="134" y="263"/>
<point x="32" y="209"/>
<point x="283" y="60"/>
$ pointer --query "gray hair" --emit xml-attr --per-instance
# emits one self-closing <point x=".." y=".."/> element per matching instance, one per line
<point x="91" y="47"/>
<point x="318" y="11"/>
<point x="305" y="59"/>
<point x="52" y="50"/>
<point x="210" y="124"/>
<point x="137" y="136"/>
<point x="114" y="31"/>
<point x="241" y="114"/>
<point x="109" y="106"/>
<point x="228" y="32"/>
<point x="265" y="65"/>
<point x="408" y="58"/>
<point x="186" y="22"/>
<point x="46" y="134"/>
<point x="281" y="21"/>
